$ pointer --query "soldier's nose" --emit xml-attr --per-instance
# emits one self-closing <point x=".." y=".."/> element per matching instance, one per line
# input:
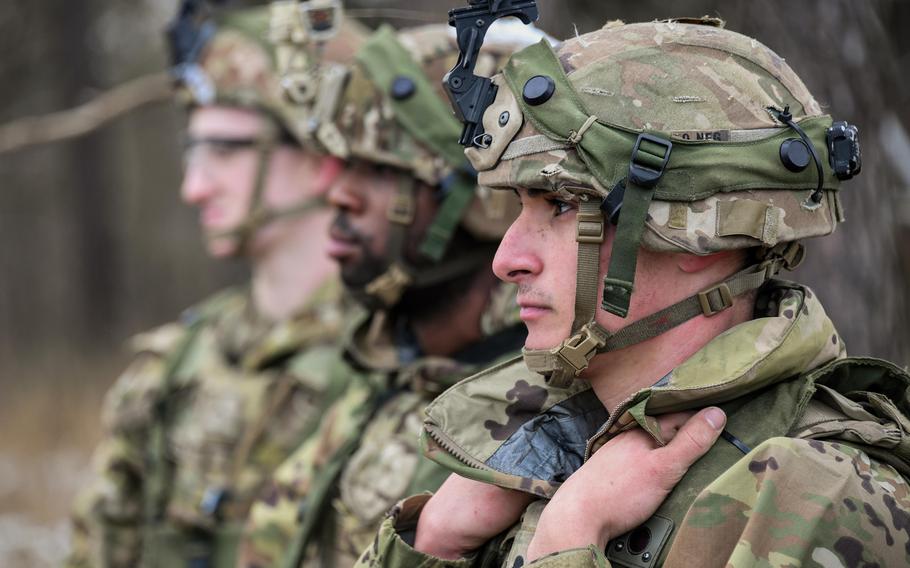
<point x="344" y="193"/>
<point x="514" y="260"/>
<point x="197" y="186"/>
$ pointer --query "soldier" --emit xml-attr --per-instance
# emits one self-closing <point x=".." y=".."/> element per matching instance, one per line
<point x="415" y="239"/>
<point x="212" y="404"/>
<point x="689" y="160"/>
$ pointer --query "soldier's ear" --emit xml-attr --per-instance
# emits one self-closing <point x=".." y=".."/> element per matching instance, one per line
<point x="691" y="264"/>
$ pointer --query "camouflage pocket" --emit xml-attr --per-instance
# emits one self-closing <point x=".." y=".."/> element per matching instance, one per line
<point x="380" y="472"/>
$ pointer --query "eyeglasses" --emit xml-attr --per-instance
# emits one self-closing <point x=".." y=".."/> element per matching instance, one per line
<point x="215" y="151"/>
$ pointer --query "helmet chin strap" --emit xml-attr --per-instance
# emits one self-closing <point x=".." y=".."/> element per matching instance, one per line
<point x="386" y="290"/>
<point x="258" y="215"/>
<point x="564" y="363"/>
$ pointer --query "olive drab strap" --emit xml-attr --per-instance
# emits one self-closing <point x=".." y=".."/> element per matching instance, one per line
<point x="459" y="188"/>
<point x="423" y="115"/>
<point x="158" y="463"/>
<point x="283" y="390"/>
<point x="589" y="235"/>
<point x="389" y="286"/>
<point x="265" y="145"/>
<point x="562" y="364"/>
<point x="649" y="160"/>
<point x="323" y="486"/>
<point x="259" y="214"/>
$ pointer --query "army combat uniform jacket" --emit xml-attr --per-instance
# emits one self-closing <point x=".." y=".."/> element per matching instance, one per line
<point x="207" y="410"/>
<point x="328" y="499"/>
<point x="812" y="471"/>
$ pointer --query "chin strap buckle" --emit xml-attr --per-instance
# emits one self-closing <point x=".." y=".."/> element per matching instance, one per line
<point x="401" y="209"/>
<point x="389" y="287"/>
<point x="715" y="299"/>
<point x="590" y="227"/>
<point x="577" y="351"/>
<point x="785" y="255"/>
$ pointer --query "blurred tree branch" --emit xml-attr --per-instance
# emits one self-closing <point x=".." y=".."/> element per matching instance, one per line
<point x="83" y="119"/>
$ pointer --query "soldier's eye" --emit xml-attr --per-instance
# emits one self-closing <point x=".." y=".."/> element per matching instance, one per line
<point x="560" y="206"/>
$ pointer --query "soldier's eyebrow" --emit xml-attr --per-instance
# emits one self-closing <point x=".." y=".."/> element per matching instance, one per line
<point x="533" y="192"/>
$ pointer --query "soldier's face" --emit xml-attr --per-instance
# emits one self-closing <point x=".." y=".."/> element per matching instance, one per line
<point x="222" y="162"/>
<point x="538" y="253"/>
<point x="361" y="196"/>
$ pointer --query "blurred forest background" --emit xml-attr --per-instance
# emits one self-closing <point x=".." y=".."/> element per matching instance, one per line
<point x="95" y="245"/>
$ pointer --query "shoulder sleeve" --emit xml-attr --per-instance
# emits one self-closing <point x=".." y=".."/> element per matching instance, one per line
<point x="588" y="557"/>
<point x="274" y="518"/>
<point x="799" y="502"/>
<point x="391" y="549"/>
<point x="107" y="511"/>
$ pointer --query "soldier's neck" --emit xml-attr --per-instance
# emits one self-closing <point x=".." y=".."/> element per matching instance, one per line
<point x="293" y="268"/>
<point x="452" y="329"/>
<point x="616" y="375"/>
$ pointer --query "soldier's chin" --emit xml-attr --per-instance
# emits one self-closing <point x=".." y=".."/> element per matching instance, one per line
<point x="222" y="247"/>
<point x="542" y="338"/>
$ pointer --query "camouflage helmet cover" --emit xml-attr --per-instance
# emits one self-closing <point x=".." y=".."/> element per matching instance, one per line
<point x="238" y="66"/>
<point x="677" y="132"/>
<point x="696" y="83"/>
<point x="378" y="134"/>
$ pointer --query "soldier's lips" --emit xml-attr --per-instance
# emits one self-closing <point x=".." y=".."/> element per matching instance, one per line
<point x="341" y="247"/>
<point x="529" y="312"/>
<point x="211" y="218"/>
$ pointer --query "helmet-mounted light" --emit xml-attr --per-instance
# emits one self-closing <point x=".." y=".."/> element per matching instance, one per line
<point x="321" y="18"/>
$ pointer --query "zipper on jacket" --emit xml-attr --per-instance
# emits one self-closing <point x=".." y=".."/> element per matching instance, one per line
<point x="617" y="412"/>
<point x="449" y="446"/>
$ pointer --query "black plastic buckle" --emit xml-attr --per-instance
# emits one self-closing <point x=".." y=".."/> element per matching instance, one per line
<point x="843" y="150"/>
<point x="646" y="176"/>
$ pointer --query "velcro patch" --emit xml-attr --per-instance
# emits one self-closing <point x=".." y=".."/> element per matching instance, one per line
<point x="702" y="135"/>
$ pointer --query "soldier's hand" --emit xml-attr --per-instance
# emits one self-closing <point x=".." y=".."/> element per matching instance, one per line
<point x="464" y="514"/>
<point x="623" y="483"/>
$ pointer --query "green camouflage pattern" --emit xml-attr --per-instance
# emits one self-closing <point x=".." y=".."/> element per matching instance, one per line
<point x="367" y="121"/>
<point x="795" y="336"/>
<point x="691" y="83"/>
<point x="245" y="395"/>
<point x="816" y="500"/>
<point x="384" y="407"/>
<point x="262" y="58"/>
<point x="311" y="60"/>
<point x="237" y="65"/>
<point x="799" y="503"/>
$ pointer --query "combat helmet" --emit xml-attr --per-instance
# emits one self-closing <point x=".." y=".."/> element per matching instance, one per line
<point x="689" y="138"/>
<point x="394" y="114"/>
<point x="222" y="56"/>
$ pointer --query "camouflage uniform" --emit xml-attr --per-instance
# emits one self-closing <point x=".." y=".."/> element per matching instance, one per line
<point x="813" y="467"/>
<point x="364" y="457"/>
<point x="328" y="499"/>
<point x="212" y="404"/>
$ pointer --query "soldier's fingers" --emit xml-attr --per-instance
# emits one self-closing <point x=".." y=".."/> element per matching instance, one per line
<point x="670" y="424"/>
<point x="693" y="440"/>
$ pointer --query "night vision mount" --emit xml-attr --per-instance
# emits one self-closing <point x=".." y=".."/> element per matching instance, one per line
<point x="190" y="30"/>
<point x="471" y="94"/>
